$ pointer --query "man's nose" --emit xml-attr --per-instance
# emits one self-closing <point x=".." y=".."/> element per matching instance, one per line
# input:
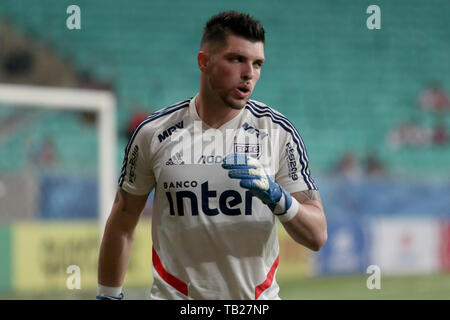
<point x="247" y="71"/>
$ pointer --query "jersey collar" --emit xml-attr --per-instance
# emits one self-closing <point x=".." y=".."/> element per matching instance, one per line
<point x="231" y="124"/>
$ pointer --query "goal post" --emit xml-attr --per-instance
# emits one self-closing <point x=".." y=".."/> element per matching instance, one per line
<point x="103" y="103"/>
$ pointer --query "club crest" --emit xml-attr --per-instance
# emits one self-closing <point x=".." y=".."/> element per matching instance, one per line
<point x="250" y="149"/>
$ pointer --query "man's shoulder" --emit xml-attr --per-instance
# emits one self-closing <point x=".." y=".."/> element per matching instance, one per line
<point x="267" y="113"/>
<point x="164" y="116"/>
<point x="172" y="108"/>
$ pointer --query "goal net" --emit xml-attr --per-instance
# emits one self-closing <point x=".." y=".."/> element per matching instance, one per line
<point x="57" y="153"/>
<point x="57" y="184"/>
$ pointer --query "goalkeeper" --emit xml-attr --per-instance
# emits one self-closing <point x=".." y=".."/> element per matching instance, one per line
<point x="214" y="223"/>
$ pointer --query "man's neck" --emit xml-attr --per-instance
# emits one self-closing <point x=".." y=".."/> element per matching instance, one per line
<point x="213" y="111"/>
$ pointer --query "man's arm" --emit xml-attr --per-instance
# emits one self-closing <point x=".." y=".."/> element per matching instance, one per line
<point x="118" y="238"/>
<point x="309" y="226"/>
<point x="301" y="212"/>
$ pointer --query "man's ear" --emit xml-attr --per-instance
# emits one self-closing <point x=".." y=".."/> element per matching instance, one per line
<point x="203" y="60"/>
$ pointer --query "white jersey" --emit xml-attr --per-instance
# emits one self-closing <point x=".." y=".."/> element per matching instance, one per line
<point x="211" y="238"/>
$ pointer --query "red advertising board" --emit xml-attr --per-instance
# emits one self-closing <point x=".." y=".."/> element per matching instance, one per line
<point x="444" y="246"/>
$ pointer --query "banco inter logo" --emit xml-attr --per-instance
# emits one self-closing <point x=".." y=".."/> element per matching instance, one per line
<point x="229" y="200"/>
<point x="168" y="132"/>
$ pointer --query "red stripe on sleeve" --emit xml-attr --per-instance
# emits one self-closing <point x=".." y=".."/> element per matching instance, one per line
<point x="269" y="279"/>
<point x="166" y="276"/>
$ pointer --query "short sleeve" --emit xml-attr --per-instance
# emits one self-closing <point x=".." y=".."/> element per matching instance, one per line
<point x="137" y="175"/>
<point x="294" y="174"/>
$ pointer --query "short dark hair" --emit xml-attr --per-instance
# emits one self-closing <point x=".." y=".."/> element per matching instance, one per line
<point x="239" y="24"/>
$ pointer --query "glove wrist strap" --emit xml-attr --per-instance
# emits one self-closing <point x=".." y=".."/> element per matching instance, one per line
<point x="290" y="213"/>
<point x="287" y="207"/>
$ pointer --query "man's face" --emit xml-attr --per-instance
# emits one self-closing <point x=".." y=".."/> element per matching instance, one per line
<point x="234" y="69"/>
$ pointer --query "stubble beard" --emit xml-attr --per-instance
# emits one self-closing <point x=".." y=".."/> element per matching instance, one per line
<point x="228" y="99"/>
<point x="233" y="103"/>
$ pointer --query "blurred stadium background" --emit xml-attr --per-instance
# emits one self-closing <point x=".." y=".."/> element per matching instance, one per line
<point x="371" y="105"/>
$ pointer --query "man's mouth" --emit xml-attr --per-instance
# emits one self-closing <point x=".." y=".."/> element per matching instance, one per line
<point x="244" y="91"/>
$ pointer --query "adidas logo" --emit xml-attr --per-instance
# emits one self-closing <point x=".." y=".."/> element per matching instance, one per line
<point x="175" y="160"/>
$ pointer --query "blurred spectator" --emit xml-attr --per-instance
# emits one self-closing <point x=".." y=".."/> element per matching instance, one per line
<point x="410" y="134"/>
<point x="373" y="166"/>
<point x="440" y="135"/>
<point x="89" y="118"/>
<point x="18" y="62"/>
<point x="45" y="156"/>
<point x="86" y="81"/>
<point x="433" y="98"/>
<point x="348" y="167"/>
<point x="135" y="120"/>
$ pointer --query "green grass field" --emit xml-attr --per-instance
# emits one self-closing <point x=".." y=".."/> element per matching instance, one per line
<point x="323" y="288"/>
<point x="354" y="288"/>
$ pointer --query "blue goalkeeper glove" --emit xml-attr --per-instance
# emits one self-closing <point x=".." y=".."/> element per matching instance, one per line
<point x="254" y="177"/>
